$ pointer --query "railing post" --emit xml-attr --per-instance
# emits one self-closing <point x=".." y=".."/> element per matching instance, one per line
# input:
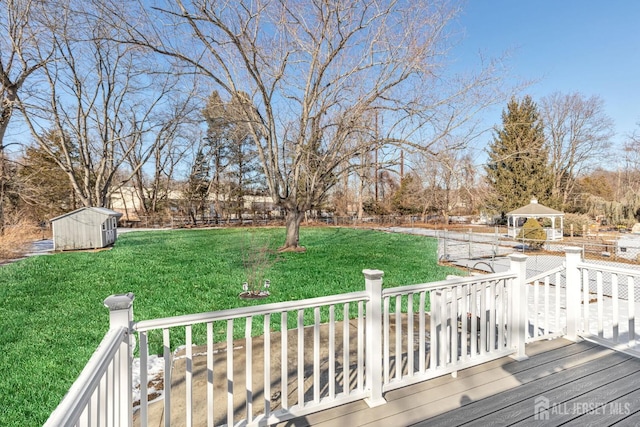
<point x="519" y="305"/>
<point x="373" y="338"/>
<point x="573" y="284"/>
<point x="121" y="314"/>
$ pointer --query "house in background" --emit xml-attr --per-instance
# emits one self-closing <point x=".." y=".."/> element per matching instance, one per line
<point x="85" y="228"/>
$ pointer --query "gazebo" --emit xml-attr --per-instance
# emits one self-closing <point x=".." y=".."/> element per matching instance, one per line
<point x="516" y="218"/>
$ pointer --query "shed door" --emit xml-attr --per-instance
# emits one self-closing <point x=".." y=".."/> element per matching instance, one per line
<point x="108" y="233"/>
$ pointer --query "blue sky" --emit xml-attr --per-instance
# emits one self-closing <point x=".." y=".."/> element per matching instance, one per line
<point x="586" y="46"/>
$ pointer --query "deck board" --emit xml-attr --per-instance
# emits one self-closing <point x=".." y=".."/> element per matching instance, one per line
<point x="503" y="392"/>
<point x="501" y="404"/>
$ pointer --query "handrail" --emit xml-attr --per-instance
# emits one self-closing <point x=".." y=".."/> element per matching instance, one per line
<point x="75" y="401"/>
<point x="609" y="269"/>
<point x="402" y="290"/>
<point x="546" y="273"/>
<point x="236" y="313"/>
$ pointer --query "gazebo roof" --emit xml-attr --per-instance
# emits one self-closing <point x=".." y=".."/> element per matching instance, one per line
<point x="535" y="209"/>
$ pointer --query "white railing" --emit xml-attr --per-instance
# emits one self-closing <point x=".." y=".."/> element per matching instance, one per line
<point x="270" y="363"/>
<point x="291" y="365"/>
<point x="606" y="302"/>
<point x="101" y="396"/>
<point x="546" y="298"/>
<point x="468" y="325"/>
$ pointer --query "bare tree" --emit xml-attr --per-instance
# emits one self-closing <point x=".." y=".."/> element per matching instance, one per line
<point x="578" y="135"/>
<point x="172" y="137"/>
<point x="450" y="181"/>
<point x="23" y="51"/>
<point x="102" y="100"/>
<point x="312" y="69"/>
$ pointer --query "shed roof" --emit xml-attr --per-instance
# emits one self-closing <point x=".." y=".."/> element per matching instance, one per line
<point x="104" y="211"/>
<point x="535" y="209"/>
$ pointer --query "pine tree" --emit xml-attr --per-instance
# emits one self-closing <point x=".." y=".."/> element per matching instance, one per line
<point x="197" y="189"/>
<point x="233" y="150"/>
<point x="518" y="169"/>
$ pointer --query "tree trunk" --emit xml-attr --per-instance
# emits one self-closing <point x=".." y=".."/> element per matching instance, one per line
<point x="293" y="219"/>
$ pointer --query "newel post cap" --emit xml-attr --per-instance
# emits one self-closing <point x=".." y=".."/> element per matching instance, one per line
<point x="572" y="250"/>
<point x="119" y="301"/>
<point x="372" y="274"/>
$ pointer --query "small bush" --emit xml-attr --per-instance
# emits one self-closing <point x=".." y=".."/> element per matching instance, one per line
<point x="532" y="233"/>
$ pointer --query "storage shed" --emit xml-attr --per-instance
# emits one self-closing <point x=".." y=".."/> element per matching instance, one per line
<point x="85" y="228"/>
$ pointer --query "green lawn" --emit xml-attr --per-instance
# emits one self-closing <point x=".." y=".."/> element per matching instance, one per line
<point x="52" y="316"/>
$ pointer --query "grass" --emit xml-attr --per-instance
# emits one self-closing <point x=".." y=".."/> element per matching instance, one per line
<point x="52" y="316"/>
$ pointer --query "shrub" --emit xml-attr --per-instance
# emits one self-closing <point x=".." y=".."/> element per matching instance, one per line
<point x="580" y="223"/>
<point x="532" y="233"/>
<point x="16" y="239"/>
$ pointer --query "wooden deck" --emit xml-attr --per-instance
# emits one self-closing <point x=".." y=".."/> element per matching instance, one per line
<point x="580" y="384"/>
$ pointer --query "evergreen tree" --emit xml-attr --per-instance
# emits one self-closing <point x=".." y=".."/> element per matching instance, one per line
<point x="405" y="200"/>
<point x="233" y="150"/>
<point x="517" y="168"/>
<point x="45" y="188"/>
<point x="216" y="116"/>
<point x="197" y="189"/>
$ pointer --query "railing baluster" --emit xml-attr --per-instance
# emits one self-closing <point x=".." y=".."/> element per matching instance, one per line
<point x="445" y="327"/>
<point x="398" y="349"/>
<point x="632" y="311"/>
<point x="616" y="307"/>
<point x="473" y="289"/>
<point x="332" y="352"/>
<point x="527" y="294"/>
<point x="492" y="316"/>
<point x="585" y="301"/>
<point x="210" y="371"/>
<point x="94" y="410"/>
<point x="189" y="376"/>
<point x="117" y="381"/>
<point x="111" y="396"/>
<point x="385" y="332"/>
<point x="346" y="364"/>
<point x="102" y="398"/>
<point x="536" y="309"/>
<point x="558" y="289"/>
<point x="500" y="314"/>
<point x="434" y="318"/>
<point x="85" y="417"/>
<point x="301" y="358"/>
<point x="166" y="343"/>
<point x="410" y="335"/>
<point x="546" y="306"/>
<point x="421" y="339"/>
<point x="284" y="360"/>
<point x="248" y="342"/>
<point x="360" y="345"/>
<point x="316" y="354"/>
<point x="505" y="317"/>
<point x="230" y="408"/>
<point x="483" y="318"/>
<point x="144" y="380"/>
<point x="266" y="332"/>
<point x="600" y="304"/>
<point x="453" y="351"/>
<point x="464" y="321"/>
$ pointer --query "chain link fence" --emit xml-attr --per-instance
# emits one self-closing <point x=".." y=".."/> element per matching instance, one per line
<point x="487" y="251"/>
